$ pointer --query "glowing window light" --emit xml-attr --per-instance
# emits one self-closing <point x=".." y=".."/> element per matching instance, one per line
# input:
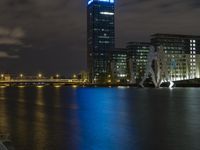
<point x="109" y="1"/>
<point x="90" y="1"/>
<point x="107" y="13"/>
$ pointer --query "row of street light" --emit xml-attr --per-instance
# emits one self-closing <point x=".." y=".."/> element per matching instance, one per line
<point x="3" y="76"/>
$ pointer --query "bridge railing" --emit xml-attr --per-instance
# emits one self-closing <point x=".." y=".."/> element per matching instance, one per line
<point x="42" y="81"/>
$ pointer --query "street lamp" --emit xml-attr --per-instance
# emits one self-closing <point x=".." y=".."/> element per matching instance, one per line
<point x="109" y="78"/>
<point x="2" y="75"/>
<point x="74" y="76"/>
<point x="109" y="81"/>
<point x="21" y="75"/>
<point x="57" y="75"/>
<point x="39" y="75"/>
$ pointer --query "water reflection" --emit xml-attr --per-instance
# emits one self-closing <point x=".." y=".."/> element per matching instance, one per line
<point x="3" y="111"/>
<point x="104" y="121"/>
<point x="101" y="118"/>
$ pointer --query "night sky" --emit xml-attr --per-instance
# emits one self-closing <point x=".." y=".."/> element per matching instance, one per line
<point x="50" y="35"/>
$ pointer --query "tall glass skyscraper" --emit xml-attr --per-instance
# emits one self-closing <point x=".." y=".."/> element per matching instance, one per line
<point x="100" y="38"/>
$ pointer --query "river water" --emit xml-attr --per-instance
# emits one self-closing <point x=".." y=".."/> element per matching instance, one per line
<point x="120" y="118"/>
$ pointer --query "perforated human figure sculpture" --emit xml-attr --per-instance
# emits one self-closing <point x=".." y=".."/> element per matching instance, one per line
<point x="161" y="67"/>
<point x="149" y="69"/>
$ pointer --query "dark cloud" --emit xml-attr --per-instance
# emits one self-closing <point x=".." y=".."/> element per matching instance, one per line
<point x="55" y="30"/>
<point x="10" y="38"/>
<point x="7" y="56"/>
<point x="138" y="19"/>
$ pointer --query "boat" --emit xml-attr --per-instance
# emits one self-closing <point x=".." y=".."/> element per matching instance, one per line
<point x="5" y="142"/>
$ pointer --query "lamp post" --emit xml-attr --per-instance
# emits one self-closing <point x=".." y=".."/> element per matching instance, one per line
<point x="57" y="76"/>
<point x="39" y="75"/>
<point x="2" y="76"/>
<point x="74" y="76"/>
<point x="21" y="75"/>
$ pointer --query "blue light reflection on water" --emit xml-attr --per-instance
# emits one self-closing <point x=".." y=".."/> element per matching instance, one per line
<point x="104" y="120"/>
<point x="101" y="118"/>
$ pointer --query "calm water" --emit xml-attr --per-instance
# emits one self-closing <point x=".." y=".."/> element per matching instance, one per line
<point x="101" y="118"/>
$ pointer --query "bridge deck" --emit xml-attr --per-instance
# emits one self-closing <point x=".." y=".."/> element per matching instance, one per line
<point x="24" y="81"/>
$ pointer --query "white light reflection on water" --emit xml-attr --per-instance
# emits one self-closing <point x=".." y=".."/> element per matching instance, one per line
<point x="101" y="118"/>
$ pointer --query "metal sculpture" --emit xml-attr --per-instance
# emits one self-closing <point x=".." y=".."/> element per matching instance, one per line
<point x="157" y="67"/>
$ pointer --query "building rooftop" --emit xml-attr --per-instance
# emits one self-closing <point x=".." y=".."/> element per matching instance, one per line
<point x="162" y="35"/>
<point x="138" y="43"/>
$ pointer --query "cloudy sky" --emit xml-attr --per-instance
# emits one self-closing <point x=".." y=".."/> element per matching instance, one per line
<point x="50" y="35"/>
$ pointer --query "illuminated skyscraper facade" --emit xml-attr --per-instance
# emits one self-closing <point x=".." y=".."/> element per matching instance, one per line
<point x="119" y="67"/>
<point x="100" y="38"/>
<point x="137" y="55"/>
<point x="183" y="54"/>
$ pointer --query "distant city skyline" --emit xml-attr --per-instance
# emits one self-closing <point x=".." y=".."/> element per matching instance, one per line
<point x="50" y="36"/>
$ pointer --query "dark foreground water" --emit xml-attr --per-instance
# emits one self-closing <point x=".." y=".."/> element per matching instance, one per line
<point x="101" y="118"/>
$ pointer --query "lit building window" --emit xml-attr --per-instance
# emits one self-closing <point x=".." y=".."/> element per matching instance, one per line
<point x="107" y="13"/>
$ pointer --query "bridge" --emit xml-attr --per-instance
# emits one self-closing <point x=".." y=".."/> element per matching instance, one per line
<point x="42" y="82"/>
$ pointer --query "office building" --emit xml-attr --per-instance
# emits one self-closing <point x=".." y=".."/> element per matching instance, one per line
<point x="119" y="67"/>
<point x="183" y="54"/>
<point x="100" y="38"/>
<point x="137" y="59"/>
